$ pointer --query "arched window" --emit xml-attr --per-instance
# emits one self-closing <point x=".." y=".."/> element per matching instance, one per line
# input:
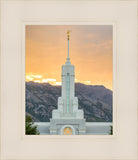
<point x="67" y="131"/>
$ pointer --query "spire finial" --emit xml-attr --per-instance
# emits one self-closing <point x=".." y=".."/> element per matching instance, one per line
<point x="68" y="36"/>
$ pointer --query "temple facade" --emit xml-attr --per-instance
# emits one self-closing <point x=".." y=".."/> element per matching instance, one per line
<point x="67" y="119"/>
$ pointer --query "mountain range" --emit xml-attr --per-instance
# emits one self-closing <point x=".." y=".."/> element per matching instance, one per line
<point x="95" y="100"/>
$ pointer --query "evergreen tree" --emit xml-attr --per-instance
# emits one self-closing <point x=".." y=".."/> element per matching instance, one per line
<point x="111" y="130"/>
<point x="30" y="128"/>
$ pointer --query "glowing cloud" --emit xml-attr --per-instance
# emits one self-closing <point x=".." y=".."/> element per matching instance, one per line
<point x="37" y="81"/>
<point x="44" y="80"/>
<point x="87" y="82"/>
<point x="37" y="76"/>
<point x="58" y="83"/>
<point x="51" y="80"/>
<point x="29" y="78"/>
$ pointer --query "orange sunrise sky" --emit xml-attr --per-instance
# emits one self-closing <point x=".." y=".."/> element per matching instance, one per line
<point x="90" y="52"/>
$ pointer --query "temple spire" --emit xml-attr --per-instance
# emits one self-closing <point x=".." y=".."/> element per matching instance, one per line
<point x="68" y="36"/>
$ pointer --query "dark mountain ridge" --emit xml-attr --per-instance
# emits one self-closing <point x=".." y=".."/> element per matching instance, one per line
<point x="41" y="99"/>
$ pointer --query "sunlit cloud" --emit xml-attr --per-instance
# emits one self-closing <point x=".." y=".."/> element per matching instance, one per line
<point x="37" y="76"/>
<point x="29" y="78"/>
<point x="51" y="80"/>
<point x="58" y="83"/>
<point x="44" y="80"/>
<point x="87" y="82"/>
<point x="37" y="81"/>
<point x="48" y="80"/>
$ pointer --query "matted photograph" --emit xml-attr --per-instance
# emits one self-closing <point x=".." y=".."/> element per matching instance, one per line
<point x="69" y="79"/>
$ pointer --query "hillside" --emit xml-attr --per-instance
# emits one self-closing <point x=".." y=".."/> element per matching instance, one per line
<point x="41" y="99"/>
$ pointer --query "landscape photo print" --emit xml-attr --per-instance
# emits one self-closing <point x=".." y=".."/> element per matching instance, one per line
<point x="69" y="79"/>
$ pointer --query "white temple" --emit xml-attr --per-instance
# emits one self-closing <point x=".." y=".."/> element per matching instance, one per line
<point x="67" y="119"/>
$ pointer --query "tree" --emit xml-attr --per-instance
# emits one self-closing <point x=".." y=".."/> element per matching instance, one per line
<point x="30" y="128"/>
<point x="111" y="130"/>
